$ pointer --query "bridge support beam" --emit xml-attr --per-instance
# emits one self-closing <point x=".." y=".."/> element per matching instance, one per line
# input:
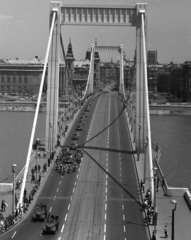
<point x="53" y="81"/>
<point x="140" y="84"/>
<point x="121" y="81"/>
<point x="91" y="87"/>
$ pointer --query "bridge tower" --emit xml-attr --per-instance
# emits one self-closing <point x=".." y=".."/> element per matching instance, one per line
<point x="141" y="111"/>
<point x="96" y="68"/>
<point x="53" y="80"/>
<point x="70" y="66"/>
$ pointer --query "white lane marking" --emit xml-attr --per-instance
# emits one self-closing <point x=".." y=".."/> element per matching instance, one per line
<point x="73" y="189"/>
<point x="59" y="238"/>
<point x="14" y="234"/>
<point x="78" y="169"/>
<point x="62" y="229"/>
<point x="71" y="198"/>
<point x="106" y="198"/>
<point x="50" y="209"/>
<point x="59" y="182"/>
<point x="124" y="228"/>
<point x="123" y="217"/>
<point x="122" y="207"/>
<point x="105" y="216"/>
<point x="106" y="190"/>
<point x="104" y="237"/>
<point x="106" y="182"/>
<point x="106" y="176"/>
<point x="104" y="228"/>
<point x="57" y="189"/>
<point x="66" y="217"/>
<point x="77" y="176"/>
<point x="54" y="197"/>
<point x="68" y="206"/>
<point x="75" y="183"/>
<point x="105" y="207"/>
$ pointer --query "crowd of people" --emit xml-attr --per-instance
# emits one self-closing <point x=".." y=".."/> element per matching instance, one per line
<point x="7" y="222"/>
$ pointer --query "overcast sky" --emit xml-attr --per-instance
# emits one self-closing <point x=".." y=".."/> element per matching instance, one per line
<point x="24" y="28"/>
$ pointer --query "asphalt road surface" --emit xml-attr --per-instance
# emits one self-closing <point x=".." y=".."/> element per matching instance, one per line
<point x="101" y="200"/>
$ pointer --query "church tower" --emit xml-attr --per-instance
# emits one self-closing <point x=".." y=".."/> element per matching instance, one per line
<point x="70" y="69"/>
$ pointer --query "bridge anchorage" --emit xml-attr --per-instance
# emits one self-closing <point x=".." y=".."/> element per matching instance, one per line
<point x="138" y="108"/>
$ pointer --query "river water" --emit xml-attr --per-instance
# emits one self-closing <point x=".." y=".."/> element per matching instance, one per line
<point x="172" y="133"/>
<point x="15" y="131"/>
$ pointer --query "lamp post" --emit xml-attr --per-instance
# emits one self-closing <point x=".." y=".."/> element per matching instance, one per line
<point x="139" y="125"/>
<point x="154" y="204"/>
<point x="173" y="211"/>
<point x="13" y="202"/>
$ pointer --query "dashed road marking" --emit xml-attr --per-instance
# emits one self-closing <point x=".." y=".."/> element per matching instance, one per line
<point x="14" y="234"/>
<point x="66" y="217"/>
<point x="62" y="228"/>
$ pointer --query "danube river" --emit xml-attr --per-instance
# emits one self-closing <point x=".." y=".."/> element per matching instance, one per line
<point x="172" y="133"/>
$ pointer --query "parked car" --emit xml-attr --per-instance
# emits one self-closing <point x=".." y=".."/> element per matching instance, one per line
<point x="79" y="152"/>
<point x="40" y="213"/>
<point x="51" y="226"/>
<point x="81" y="122"/>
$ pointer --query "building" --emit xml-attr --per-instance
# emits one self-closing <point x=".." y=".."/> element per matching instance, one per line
<point x="151" y="57"/>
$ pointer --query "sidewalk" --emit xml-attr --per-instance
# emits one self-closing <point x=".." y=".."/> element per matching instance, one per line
<point x="182" y="229"/>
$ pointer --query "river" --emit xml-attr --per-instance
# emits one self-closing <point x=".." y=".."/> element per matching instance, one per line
<point x="172" y="133"/>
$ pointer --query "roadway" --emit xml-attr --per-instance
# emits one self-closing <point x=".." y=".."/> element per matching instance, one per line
<point x="101" y="200"/>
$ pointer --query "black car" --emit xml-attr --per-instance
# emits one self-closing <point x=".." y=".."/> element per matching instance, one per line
<point x="40" y="213"/>
<point x="80" y="152"/>
<point x="75" y="136"/>
<point x="73" y="146"/>
<point x="68" y="159"/>
<point x="81" y="122"/>
<point x="79" y="127"/>
<point x="65" y="151"/>
<point x="51" y="226"/>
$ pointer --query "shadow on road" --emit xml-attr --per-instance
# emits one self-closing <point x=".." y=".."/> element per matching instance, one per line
<point x="118" y="183"/>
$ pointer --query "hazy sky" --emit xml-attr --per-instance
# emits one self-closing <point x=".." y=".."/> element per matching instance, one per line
<point x="24" y="28"/>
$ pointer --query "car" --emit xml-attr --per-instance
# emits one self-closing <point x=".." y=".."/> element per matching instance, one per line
<point x="82" y="122"/>
<point x="87" y="109"/>
<point x="51" y="226"/>
<point x="84" y="114"/>
<point x="65" y="151"/>
<point x="79" y="152"/>
<point x="79" y="127"/>
<point x="79" y="158"/>
<point x="68" y="159"/>
<point x="73" y="146"/>
<point x="40" y="213"/>
<point x="83" y="117"/>
<point x="75" y="136"/>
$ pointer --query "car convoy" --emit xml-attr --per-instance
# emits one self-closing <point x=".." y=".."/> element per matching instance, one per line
<point x="66" y="162"/>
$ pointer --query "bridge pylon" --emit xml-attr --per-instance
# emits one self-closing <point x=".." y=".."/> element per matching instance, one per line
<point x="53" y="81"/>
<point x="91" y="84"/>
<point x="121" y="80"/>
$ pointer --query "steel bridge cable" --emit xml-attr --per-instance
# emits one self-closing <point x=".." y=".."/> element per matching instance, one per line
<point x="147" y="109"/>
<point x="36" y="113"/>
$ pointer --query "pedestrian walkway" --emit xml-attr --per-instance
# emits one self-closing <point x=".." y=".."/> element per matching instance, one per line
<point x="182" y="229"/>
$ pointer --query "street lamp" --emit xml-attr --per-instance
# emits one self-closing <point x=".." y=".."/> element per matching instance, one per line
<point x="154" y="204"/>
<point x="173" y="210"/>
<point x="13" y="202"/>
<point x="139" y="125"/>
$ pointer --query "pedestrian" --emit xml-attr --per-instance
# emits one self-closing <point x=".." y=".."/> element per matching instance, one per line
<point x="39" y="179"/>
<point x="25" y="192"/>
<point x="143" y="187"/>
<point x="2" y="206"/>
<point x="153" y="236"/>
<point x="39" y="167"/>
<point x="165" y="231"/>
<point x="33" y="178"/>
<point x="155" y="230"/>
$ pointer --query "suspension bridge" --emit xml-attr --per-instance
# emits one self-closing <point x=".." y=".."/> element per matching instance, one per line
<point x="101" y="200"/>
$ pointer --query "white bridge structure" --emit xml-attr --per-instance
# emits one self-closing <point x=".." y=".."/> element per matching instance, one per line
<point x="87" y="15"/>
